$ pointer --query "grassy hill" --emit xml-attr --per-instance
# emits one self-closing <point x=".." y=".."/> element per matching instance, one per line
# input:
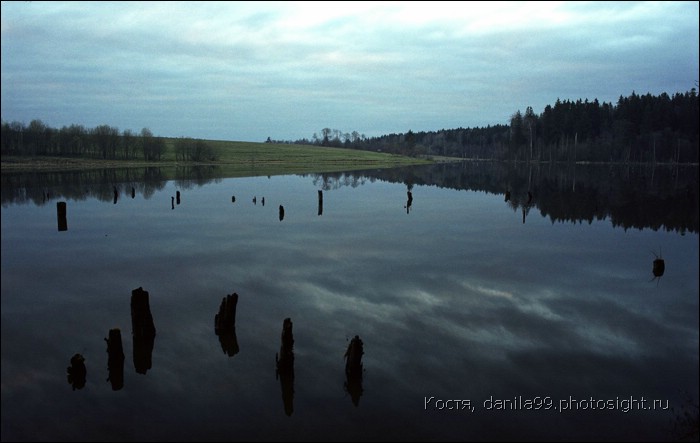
<point x="235" y="159"/>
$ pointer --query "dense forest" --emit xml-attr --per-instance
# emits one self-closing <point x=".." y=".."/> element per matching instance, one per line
<point x="639" y="128"/>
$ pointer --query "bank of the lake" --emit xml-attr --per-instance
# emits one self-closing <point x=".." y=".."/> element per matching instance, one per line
<point x="235" y="158"/>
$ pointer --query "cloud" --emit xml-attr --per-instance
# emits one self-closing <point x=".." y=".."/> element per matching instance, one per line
<point x="248" y="70"/>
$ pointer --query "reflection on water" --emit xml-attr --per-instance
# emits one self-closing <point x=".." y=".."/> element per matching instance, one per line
<point x="466" y="312"/>
<point x="527" y="205"/>
<point x="629" y="195"/>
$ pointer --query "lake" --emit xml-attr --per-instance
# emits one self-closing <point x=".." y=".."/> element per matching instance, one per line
<point x="493" y="303"/>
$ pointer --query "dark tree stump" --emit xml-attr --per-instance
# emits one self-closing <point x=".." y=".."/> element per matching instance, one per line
<point x="77" y="372"/>
<point x="61" y="216"/>
<point x="285" y="366"/>
<point x="143" y="330"/>
<point x="353" y="369"/>
<point x="225" y="325"/>
<point x="115" y="361"/>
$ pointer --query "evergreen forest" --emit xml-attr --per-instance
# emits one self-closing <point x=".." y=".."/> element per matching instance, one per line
<point x="637" y="129"/>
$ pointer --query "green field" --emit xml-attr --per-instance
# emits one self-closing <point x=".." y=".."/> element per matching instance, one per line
<point x="236" y="159"/>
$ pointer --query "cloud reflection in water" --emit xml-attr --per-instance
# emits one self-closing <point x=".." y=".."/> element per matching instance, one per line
<point x="457" y="299"/>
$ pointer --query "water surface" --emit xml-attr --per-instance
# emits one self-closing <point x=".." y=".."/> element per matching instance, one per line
<point x="482" y="319"/>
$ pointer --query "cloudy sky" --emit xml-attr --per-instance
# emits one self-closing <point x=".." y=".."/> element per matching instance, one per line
<point x="251" y="70"/>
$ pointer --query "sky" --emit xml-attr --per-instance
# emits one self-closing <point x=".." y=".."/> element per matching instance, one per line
<point x="246" y="71"/>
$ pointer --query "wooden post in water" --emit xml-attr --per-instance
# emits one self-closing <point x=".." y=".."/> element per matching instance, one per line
<point x="353" y="369"/>
<point x="225" y="325"/>
<point x="285" y="366"/>
<point x="61" y="215"/>
<point x="115" y="361"/>
<point x="226" y="318"/>
<point x="142" y="329"/>
<point x="320" y="202"/>
<point x="77" y="372"/>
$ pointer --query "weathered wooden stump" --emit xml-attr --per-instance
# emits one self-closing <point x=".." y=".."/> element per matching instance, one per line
<point x="143" y="330"/>
<point x="285" y="366"/>
<point x="658" y="267"/>
<point x="226" y="318"/>
<point x="61" y="216"/>
<point x="281" y="212"/>
<point x="115" y="361"/>
<point x="77" y="372"/>
<point x="225" y="325"/>
<point x="353" y="369"/>
<point x="285" y="358"/>
<point x="141" y="317"/>
<point x="353" y="356"/>
<point x="177" y="197"/>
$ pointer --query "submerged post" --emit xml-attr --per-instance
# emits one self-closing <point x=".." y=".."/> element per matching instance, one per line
<point x="143" y="330"/>
<point x="226" y="318"/>
<point x="353" y="369"/>
<point x="77" y="372"/>
<point x="225" y="324"/>
<point x="115" y="361"/>
<point x="285" y="366"/>
<point x="320" y="202"/>
<point x="61" y="216"/>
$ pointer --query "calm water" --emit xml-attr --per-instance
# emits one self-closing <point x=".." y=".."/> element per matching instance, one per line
<point x="478" y="322"/>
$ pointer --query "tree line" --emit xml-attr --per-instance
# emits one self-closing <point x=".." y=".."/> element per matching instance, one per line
<point x="639" y="128"/>
<point x="103" y="142"/>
